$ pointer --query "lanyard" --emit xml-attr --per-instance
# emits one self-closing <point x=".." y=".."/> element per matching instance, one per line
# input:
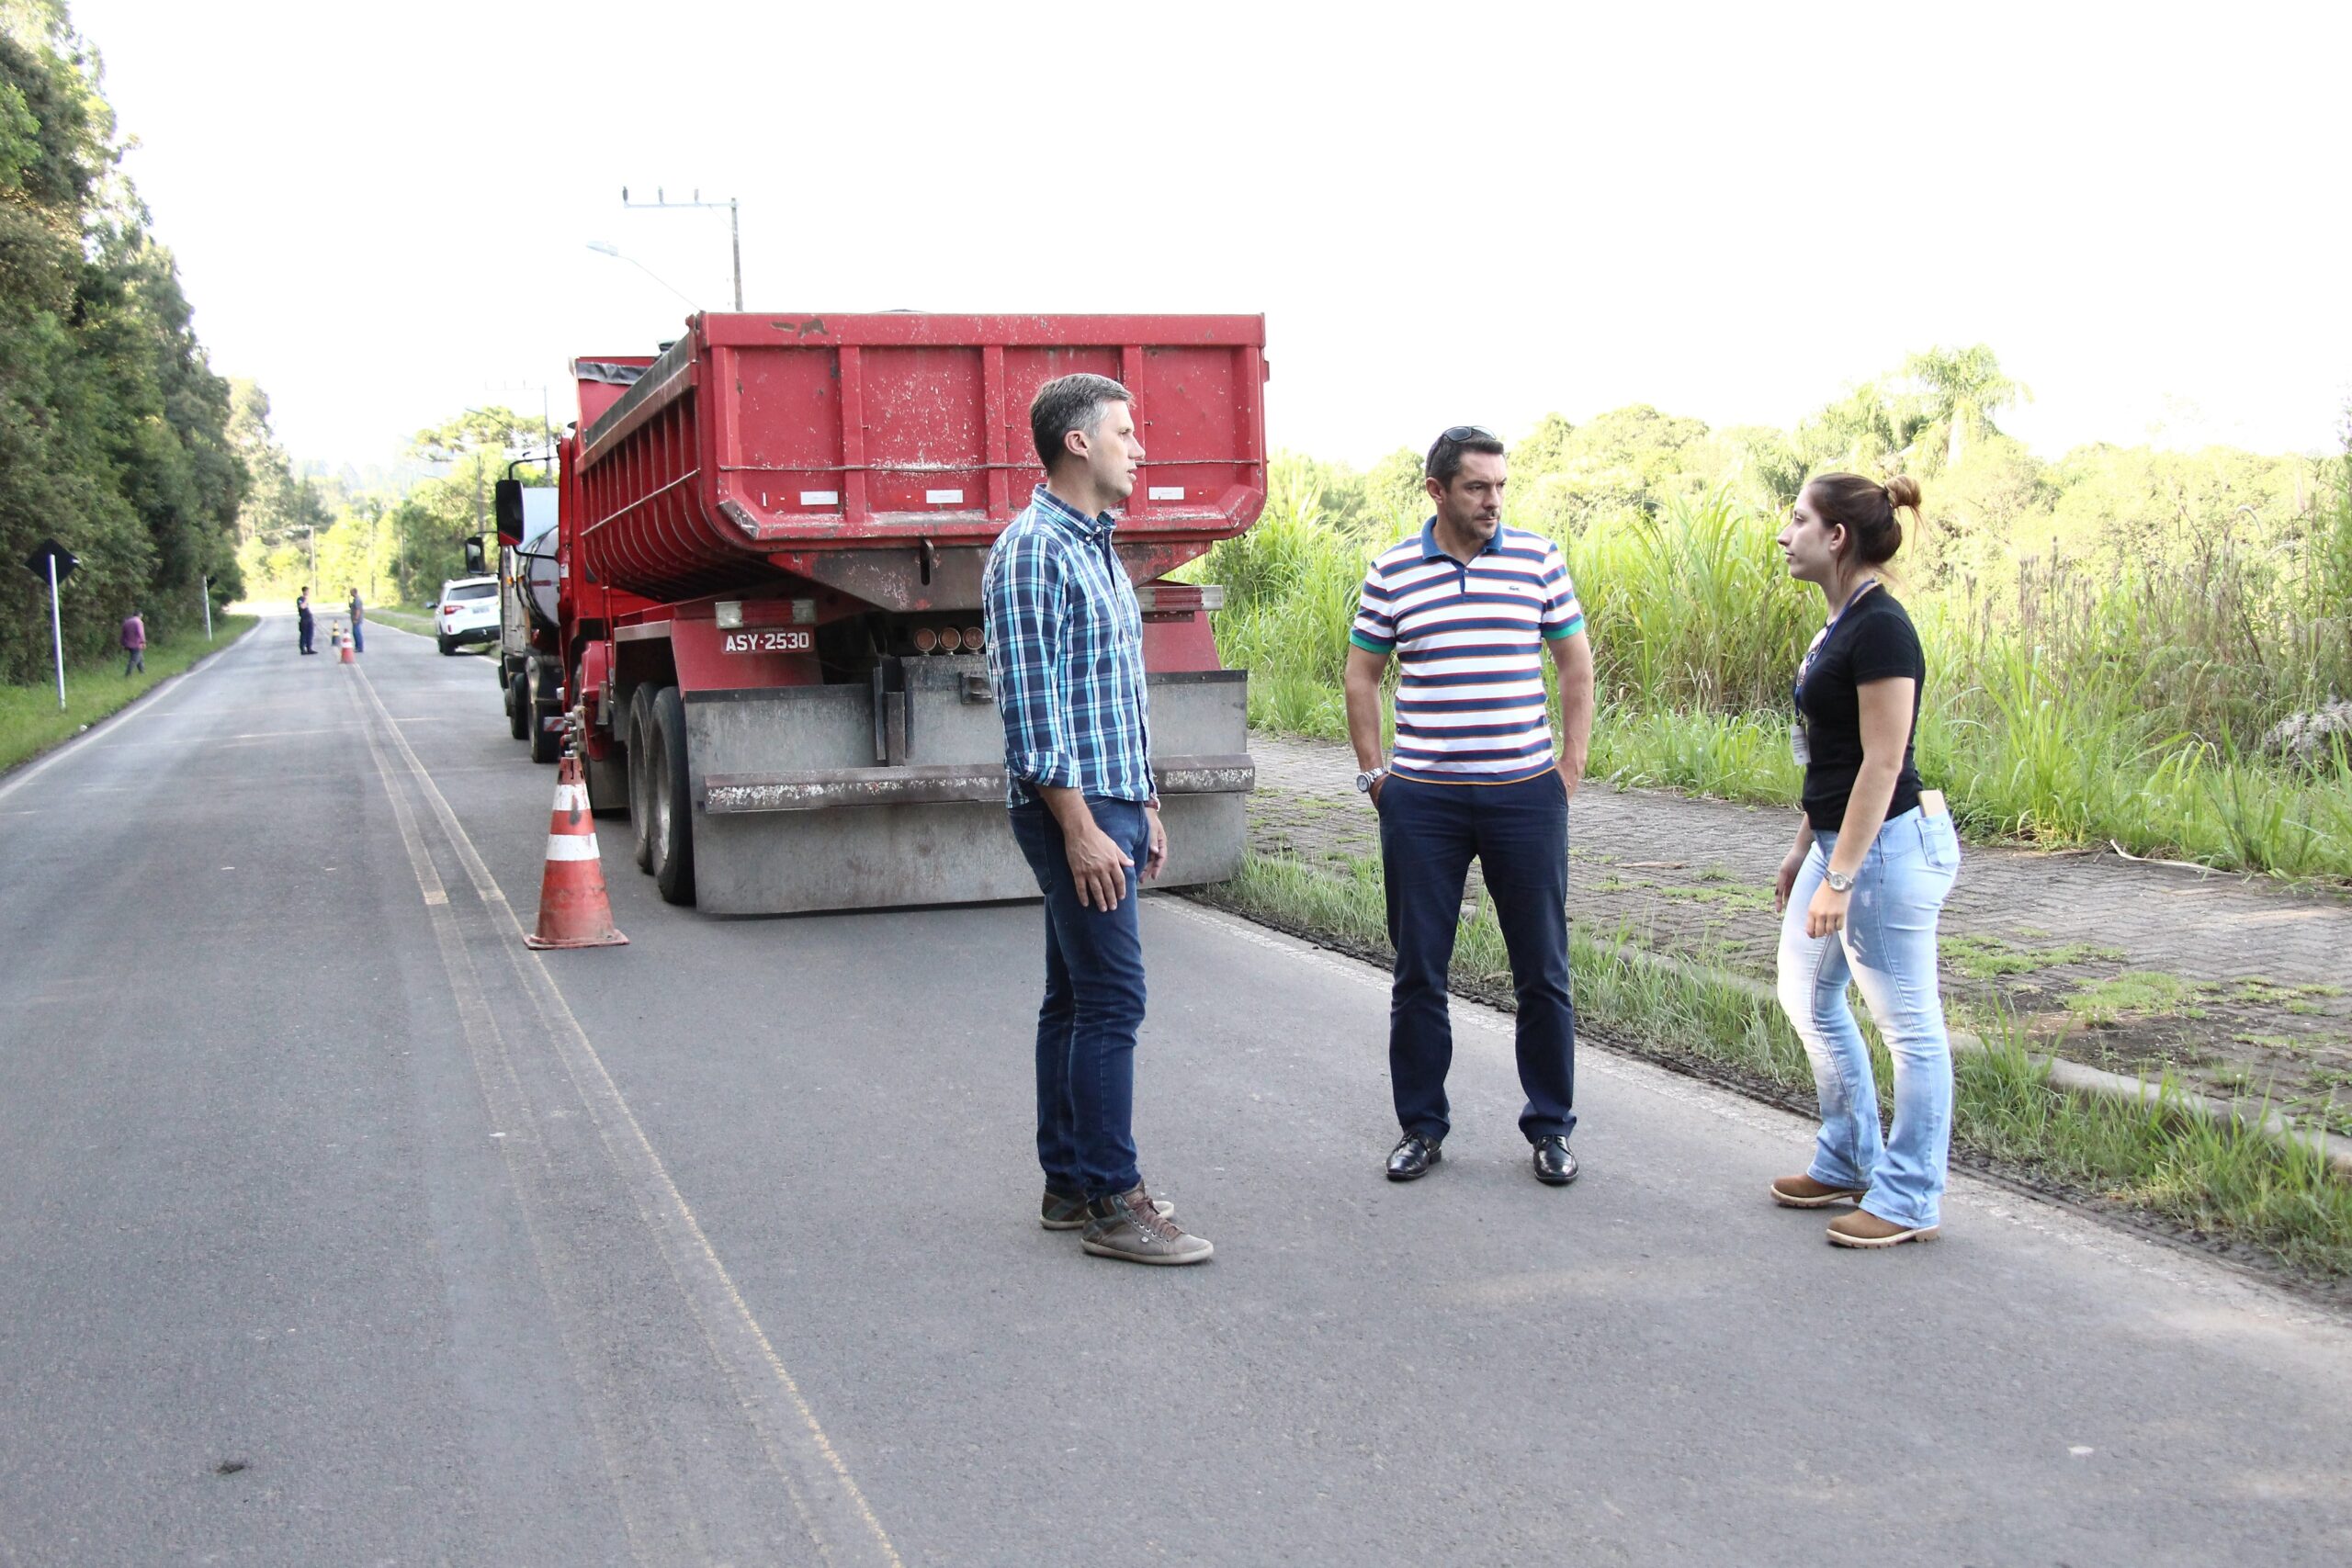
<point x="1814" y="647"/>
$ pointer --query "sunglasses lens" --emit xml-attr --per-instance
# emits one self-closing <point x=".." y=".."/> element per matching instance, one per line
<point x="1465" y="432"/>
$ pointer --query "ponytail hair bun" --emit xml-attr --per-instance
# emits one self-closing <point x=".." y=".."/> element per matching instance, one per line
<point x="1866" y="510"/>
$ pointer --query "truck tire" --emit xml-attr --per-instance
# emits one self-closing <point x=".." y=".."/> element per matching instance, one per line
<point x="518" y="706"/>
<point x="671" y="813"/>
<point x="547" y="744"/>
<point x="641" y="802"/>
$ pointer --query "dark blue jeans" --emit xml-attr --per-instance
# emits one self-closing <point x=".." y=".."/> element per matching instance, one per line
<point x="1094" y="1002"/>
<point x="1520" y="834"/>
<point x="358" y="643"/>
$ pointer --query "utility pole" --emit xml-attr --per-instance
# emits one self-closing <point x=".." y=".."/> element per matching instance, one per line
<point x="204" y="588"/>
<point x="734" y="227"/>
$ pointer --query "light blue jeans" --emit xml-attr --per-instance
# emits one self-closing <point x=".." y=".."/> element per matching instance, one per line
<point x="1888" y="948"/>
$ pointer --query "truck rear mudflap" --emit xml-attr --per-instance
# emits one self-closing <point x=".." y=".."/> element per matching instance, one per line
<point x="895" y="792"/>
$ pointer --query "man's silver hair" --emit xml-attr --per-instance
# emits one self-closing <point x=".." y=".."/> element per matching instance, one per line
<point x="1068" y="403"/>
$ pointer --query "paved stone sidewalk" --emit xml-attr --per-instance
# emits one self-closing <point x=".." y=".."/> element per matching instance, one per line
<point x="2234" y="982"/>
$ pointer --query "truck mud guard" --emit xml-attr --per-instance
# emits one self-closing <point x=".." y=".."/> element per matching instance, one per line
<point x="936" y="784"/>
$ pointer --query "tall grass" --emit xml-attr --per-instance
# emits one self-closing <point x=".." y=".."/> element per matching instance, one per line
<point x="2074" y="706"/>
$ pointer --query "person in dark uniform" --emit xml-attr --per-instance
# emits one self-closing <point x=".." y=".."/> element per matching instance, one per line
<point x="304" y="623"/>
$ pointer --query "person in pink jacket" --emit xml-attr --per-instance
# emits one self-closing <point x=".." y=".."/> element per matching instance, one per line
<point x="134" y="645"/>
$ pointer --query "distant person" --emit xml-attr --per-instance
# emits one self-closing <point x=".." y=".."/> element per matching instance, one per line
<point x="134" y="644"/>
<point x="358" y="617"/>
<point x="1469" y="608"/>
<point x="1065" y="650"/>
<point x="304" y="625"/>
<point x="1874" y="859"/>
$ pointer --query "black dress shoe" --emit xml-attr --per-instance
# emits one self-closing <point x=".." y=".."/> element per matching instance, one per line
<point x="1412" y="1157"/>
<point x="1554" y="1166"/>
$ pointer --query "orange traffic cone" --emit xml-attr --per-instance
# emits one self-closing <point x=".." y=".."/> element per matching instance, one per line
<point x="348" y="656"/>
<point x="574" y="910"/>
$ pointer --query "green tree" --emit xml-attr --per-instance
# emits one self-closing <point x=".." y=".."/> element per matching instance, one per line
<point x="113" y="428"/>
<point x="1960" y="390"/>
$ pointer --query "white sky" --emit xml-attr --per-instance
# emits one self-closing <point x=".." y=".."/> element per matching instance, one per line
<point x="1445" y="212"/>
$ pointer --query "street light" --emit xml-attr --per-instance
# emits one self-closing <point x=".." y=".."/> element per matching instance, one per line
<point x="734" y="228"/>
<point x="606" y="248"/>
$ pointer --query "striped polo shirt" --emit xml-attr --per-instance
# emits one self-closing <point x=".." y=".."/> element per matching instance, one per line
<point x="1469" y="638"/>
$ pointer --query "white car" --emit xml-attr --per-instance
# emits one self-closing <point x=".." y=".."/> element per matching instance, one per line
<point x="468" y="613"/>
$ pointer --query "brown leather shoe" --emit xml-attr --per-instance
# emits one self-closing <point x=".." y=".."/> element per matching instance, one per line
<point x="1804" y="1193"/>
<point x="1862" y="1228"/>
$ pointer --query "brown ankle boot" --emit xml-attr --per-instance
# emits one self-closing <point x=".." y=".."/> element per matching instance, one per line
<point x="1804" y="1193"/>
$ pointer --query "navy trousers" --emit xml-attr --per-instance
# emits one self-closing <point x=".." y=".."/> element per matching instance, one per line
<point x="1519" y="834"/>
<point x="1093" y="1006"/>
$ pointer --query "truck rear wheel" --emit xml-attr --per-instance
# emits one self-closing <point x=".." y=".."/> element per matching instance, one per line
<point x="641" y="795"/>
<point x="671" y="817"/>
<point x="518" y="706"/>
<point x="547" y="743"/>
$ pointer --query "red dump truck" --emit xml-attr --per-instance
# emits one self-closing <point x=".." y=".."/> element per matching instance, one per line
<point x="767" y="567"/>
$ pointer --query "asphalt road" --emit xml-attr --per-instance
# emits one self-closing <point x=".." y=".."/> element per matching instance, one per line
<point x="339" y="1228"/>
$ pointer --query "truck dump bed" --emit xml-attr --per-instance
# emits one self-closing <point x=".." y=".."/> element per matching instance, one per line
<point x="882" y="454"/>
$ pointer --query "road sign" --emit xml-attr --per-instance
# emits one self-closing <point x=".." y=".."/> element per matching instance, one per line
<point x="50" y="552"/>
<point x="54" y="563"/>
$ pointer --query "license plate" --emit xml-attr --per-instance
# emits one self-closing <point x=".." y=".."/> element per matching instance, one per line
<point x="795" y="641"/>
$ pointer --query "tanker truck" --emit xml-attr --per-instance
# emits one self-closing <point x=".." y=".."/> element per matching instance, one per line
<point x="530" y="627"/>
<point x="766" y="582"/>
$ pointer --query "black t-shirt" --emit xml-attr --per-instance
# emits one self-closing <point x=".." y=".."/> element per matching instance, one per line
<point x="1873" y="640"/>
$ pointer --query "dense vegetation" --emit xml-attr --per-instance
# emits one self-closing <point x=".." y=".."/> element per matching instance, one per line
<point x="397" y="544"/>
<point x="113" y="428"/>
<point x="2111" y="636"/>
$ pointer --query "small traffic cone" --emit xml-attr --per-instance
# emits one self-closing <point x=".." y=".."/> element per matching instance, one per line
<point x="345" y="643"/>
<point x="575" y="909"/>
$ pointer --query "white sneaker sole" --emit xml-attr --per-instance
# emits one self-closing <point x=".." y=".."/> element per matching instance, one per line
<point x="1827" y="1199"/>
<point x="1206" y="1252"/>
<point x="1926" y="1233"/>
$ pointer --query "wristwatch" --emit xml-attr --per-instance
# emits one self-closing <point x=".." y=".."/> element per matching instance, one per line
<point x="1838" y="881"/>
<point x="1369" y="777"/>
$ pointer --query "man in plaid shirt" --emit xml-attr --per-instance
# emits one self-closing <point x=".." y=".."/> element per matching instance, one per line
<point x="1065" y="646"/>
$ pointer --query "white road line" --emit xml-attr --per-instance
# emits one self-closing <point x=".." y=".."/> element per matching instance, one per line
<point x="834" y="1510"/>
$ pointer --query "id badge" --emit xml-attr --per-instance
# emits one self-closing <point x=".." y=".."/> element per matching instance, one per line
<point x="1800" y="745"/>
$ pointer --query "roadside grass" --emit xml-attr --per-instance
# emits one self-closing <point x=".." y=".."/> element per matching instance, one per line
<point x="415" y="621"/>
<point x="2225" y="1184"/>
<point x="1984" y="957"/>
<point x="31" y="722"/>
<point x="2084" y="708"/>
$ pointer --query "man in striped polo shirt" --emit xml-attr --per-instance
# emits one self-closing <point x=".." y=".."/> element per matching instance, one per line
<point x="1468" y="608"/>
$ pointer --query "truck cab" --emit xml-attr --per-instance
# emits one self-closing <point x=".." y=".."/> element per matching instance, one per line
<point x="530" y="669"/>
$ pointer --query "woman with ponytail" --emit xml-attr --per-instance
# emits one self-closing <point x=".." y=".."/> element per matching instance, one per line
<point x="1859" y="894"/>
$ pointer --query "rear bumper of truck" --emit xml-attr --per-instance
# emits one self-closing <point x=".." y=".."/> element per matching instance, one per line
<point x="793" y="812"/>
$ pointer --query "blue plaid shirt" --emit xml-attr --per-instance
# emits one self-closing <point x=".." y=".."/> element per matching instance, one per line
<point x="1064" y="644"/>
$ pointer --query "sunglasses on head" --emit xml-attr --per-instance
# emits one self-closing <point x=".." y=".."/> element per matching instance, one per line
<point x="1467" y="432"/>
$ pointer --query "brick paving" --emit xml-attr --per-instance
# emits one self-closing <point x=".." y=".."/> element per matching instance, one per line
<point x="2234" y="982"/>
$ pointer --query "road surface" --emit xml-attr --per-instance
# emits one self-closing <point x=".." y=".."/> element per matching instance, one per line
<point x="341" y="1229"/>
